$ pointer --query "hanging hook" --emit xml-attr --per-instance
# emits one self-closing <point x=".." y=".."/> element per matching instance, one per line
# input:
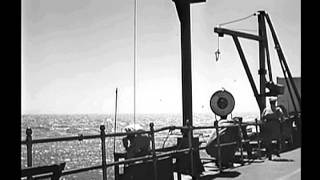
<point x="217" y="53"/>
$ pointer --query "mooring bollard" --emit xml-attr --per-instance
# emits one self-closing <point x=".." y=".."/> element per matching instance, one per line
<point x="103" y="149"/>
<point x="154" y="158"/>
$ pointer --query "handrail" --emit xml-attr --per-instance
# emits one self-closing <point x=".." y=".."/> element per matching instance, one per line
<point x="29" y="142"/>
<point x="81" y="137"/>
<point x="225" y="126"/>
<point x="53" y="171"/>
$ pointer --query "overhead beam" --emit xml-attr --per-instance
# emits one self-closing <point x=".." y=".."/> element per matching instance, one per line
<point x="197" y="1"/>
<point x="222" y="31"/>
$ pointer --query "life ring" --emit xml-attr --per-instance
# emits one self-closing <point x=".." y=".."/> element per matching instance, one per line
<point x="222" y="103"/>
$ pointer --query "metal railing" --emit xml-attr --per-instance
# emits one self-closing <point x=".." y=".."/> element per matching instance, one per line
<point x="154" y="156"/>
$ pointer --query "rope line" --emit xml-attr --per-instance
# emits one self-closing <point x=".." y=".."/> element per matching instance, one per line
<point x="240" y="29"/>
<point x="217" y="52"/>
<point x="237" y="20"/>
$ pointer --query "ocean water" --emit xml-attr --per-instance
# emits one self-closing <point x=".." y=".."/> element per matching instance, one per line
<point x="78" y="154"/>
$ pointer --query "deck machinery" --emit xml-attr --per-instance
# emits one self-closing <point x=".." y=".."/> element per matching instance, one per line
<point x="264" y="58"/>
<point x="274" y="89"/>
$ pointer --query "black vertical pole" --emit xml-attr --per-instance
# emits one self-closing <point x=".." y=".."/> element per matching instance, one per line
<point x="192" y="164"/>
<point x="218" y="145"/>
<point x="116" y="168"/>
<point x="154" y="158"/>
<point x="29" y="149"/>
<point x="29" y="146"/>
<point x="282" y="58"/>
<point x="265" y="41"/>
<point x="258" y="132"/>
<point x="103" y="151"/>
<point x="241" y="137"/>
<point x="183" y="9"/>
<point x="115" y="122"/>
<point x="262" y="61"/>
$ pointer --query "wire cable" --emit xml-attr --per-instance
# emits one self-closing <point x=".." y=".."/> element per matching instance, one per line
<point x="134" y="60"/>
<point x="241" y="29"/>
<point x="237" y="20"/>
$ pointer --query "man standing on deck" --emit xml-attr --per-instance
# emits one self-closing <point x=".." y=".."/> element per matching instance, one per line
<point x="271" y="118"/>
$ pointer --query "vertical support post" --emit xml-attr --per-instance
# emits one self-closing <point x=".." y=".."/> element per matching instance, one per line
<point x="262" y="60"/>
<point x="190" y="137"/>
<point x="241" y="138"/>
<point x="154" y="158"/>
<point x="280" y="139"/>
<point x="29" y="148"/>
<point x="264" y="41"/>
<point x="282" y="58"/>
<point x="116" y="168"/>
<point x="183" y="9"/>
<point x="218" y="144"/>
<point x="103" y="149"/>
<point x="258" y="139"/>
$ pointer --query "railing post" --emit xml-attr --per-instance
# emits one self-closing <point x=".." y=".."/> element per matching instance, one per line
<point x="103" y="149"/>
<point x="279" y="140"/>
<point x="218" y="143"/>
<point x="154" y="158"/>
<point x="190" y="136"/>
<point x="241" y="138"/>
<point x="258" y="139"/>
<point x="29" y="148"/>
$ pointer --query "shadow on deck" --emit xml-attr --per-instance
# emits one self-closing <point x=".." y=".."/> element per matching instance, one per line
<point x="224" y="174"/>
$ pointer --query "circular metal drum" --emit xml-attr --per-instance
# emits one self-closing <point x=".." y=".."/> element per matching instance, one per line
<point x="222" y="102"/>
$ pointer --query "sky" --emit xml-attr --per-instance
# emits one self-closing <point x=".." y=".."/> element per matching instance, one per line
<point x="75" y="53"/>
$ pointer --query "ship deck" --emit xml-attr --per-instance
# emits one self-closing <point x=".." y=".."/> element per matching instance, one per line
<point x="287" y="166"/>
